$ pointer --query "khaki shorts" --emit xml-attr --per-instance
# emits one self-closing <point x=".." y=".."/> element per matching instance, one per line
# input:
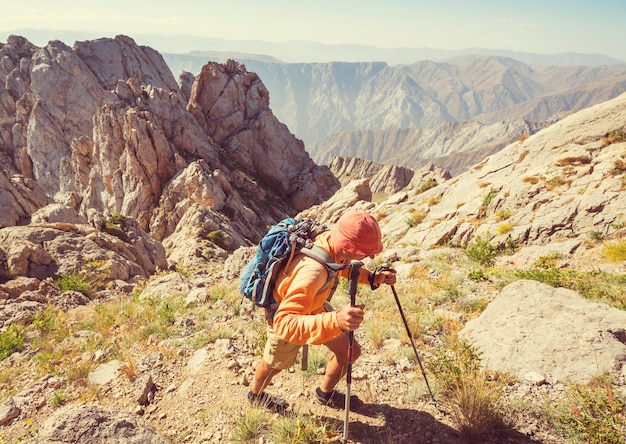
<point x="279" y="354"/>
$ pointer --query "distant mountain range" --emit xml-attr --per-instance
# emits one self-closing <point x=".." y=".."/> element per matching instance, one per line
<point x="410" y="107"/>
<point x="405" y="114"/>
<point x="312" y="52"/>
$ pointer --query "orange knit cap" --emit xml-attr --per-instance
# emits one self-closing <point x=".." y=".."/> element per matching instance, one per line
<point x="357" y="232"/>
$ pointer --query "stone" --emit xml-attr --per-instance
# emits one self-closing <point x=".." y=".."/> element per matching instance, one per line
<point x="533" y="328"/>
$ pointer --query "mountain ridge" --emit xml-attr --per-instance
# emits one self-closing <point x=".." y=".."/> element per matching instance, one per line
<point x="326" y="103"/>
<point x="292" y="51"/>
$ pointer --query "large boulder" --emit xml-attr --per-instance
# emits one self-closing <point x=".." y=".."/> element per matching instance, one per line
<point x="533" y="328"/>
<point x="87" y="424"/>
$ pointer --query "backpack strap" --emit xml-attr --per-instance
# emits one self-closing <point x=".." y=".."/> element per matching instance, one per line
<point x="322" y="256"/>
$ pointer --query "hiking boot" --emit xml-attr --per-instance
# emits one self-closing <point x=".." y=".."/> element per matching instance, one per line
<point x="271" y="403"/>
<point x="336" y="400"/>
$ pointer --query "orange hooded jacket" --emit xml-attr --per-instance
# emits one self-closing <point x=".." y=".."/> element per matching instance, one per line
<point x="301" y="318"/>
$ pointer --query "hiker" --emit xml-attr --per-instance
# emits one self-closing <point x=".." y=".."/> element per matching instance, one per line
<point x="304" y="316"/>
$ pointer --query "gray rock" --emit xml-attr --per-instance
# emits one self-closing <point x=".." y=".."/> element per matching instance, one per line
<point x="8" y="411"/>
<point x="87" y="424"/>
<point x="532" y="327"/>
<point x="105" y="373"/>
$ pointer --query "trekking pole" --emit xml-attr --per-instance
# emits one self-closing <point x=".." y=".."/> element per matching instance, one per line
<point x="352" y="283"/>
<point x="408" y="332"/>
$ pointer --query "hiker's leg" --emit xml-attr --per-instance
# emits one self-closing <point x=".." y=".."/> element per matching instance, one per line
<point x="277" y="355"/>
<point x="263" y="376"/>
<point x="338" y="365"/>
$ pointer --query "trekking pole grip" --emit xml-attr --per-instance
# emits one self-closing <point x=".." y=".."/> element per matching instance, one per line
<point x="355" y="270"/>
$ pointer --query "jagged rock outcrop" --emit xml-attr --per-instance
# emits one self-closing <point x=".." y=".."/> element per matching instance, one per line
<point x="385" y="179"/>
<point x="104" y="129"/>
<point x="232" y="106"/>
<point x="19" y="198"/>
<point x="57" y="248"/>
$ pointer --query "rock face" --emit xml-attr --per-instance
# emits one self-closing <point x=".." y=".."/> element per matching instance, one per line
<point x="453" y="146"/>
<point x="385" y="179"/>
<point x="104" y="129"/>
<point x="86" y="424"/>
<point x="532" y="328"/>
<point x="566" y="181"/>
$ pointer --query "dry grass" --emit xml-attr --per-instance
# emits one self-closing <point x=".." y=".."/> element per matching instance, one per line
<point x="613" y="137"/>
<point x="531" y="180"/>
<point x="615" y="251"/>
<point x="475" y="406"/>
<point x="523" y="155"/>
<point x="574" y="161"/>
<point x="555" y="182"/>
<point x="502" y="214"/>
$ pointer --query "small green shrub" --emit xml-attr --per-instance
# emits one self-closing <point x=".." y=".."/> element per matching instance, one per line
<point x="214" y="236"/>
<point x="116" y="225"/>
<point x="453" y="363"/>
<point x="415" y="218"/>
<point x="504" y="228"/>
<point x="503" y="214"/>
<point x="74" y="282"/>
<point x="548" y="261"/>
<point x="596" y="235"/>
<point x="489" y="197"/>
<point x="44" y="320"/>
<point x="251" y="427"/>
<point x="591" y="413"/>
<point x="555" y="182"/>
<point x="430" y="183"/>
<point x="482" y="250"/>
<point x="58" y="399"/>
<point x="218" y="238"/>
<point x="11" y="341"/>
<point x="302" y="429"/>
<point x="477" y="275"/>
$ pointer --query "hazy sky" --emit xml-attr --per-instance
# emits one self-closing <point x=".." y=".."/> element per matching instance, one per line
<point x="546" y="26"/>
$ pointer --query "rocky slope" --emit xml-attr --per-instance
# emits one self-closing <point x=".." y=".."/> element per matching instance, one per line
<point x="384" y="179"/>
<point x="454" y="146"/>
<point x="565" y="182"/>
<point x="126" y="174"/>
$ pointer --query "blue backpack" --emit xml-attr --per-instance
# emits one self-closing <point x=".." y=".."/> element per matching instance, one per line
<point x="280" y="243"/>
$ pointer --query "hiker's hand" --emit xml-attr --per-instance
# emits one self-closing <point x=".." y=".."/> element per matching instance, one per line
<point x="349" y="318"/>
<point x="385" y="277"/>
